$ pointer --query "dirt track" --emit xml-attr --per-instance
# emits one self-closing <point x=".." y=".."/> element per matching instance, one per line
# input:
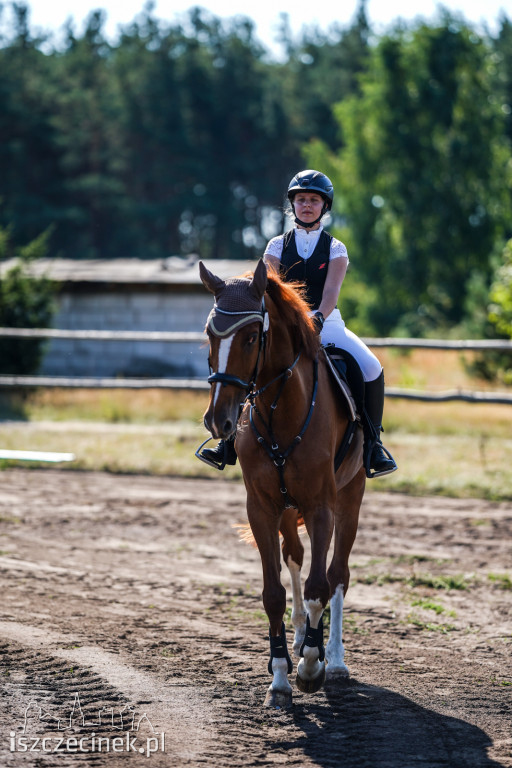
<point x="134" y="592"/>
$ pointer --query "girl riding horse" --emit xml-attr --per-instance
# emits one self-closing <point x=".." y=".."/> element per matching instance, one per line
<point x="265" y="355"/>
<point x="309" y="254"/>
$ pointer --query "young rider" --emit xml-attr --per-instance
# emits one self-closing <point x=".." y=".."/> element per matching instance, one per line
<point x="309" y="254"/>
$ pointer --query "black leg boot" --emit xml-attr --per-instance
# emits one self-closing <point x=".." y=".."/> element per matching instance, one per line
<point x="224" y="453"/>
<point x="377" y="459"/>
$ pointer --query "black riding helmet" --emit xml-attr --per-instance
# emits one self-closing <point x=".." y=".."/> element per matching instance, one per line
<point x="311" y="181"/>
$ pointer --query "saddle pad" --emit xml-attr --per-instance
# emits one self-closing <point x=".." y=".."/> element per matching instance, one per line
<point x="343" y="387"/>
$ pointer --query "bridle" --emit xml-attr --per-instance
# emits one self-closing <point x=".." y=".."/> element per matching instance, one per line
<point x="236" y="381"/>
<point x="271" y="445"/>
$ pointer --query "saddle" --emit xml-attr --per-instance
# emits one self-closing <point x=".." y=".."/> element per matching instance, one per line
<point x="348" y="377"/>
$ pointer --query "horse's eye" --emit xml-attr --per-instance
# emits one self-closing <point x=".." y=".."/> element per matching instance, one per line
<point x="252" y="339"/>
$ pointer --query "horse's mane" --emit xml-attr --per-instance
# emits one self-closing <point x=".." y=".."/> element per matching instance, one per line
<point x="293" y="309"/>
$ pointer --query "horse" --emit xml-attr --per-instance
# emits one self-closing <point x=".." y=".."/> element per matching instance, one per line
<point x="271" y="388"/>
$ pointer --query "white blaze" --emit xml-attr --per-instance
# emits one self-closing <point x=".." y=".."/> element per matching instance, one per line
<point x="224" y="348"/>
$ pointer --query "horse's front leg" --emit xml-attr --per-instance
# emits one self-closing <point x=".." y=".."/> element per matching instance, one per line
<point x="346" y="522"/>
<point x="293" y="556"/>
<point x="265" y="529"/>
<point x="311" y="668"/>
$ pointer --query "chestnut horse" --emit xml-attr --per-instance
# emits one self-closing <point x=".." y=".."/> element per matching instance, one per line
<point x="271" y="387"/>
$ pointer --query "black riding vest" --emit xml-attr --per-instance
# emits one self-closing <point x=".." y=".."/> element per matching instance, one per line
<point x="312" y="271"/>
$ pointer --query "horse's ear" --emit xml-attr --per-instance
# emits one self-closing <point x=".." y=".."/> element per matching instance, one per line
<point x="210" y="281"/>
<point x="258" y="283"/>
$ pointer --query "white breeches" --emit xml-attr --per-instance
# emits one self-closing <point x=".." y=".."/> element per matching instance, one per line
<point x="335" y="332"/>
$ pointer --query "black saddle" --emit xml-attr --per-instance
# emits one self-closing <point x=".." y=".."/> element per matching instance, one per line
<point x="349" y="371"/>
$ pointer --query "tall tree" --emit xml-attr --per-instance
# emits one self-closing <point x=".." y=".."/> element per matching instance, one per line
<point x="423" y="173"/>
<point x="94" y="220"/>
<point x="30" y="189"/>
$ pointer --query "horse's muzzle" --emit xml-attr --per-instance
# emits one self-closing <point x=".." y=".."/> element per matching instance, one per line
<point x="221" y="422"/>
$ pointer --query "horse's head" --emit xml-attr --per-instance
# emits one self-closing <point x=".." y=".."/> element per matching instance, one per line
<point x="235" y="327"/>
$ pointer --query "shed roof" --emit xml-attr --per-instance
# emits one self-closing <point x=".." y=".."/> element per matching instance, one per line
<point x="171" y="271"/>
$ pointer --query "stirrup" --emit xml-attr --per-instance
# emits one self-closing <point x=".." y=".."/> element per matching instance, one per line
<point x="370" y="472"/>
<point x="210" y="463"/>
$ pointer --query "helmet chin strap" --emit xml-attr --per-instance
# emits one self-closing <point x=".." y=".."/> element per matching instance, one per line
<point x="308" y="225"/>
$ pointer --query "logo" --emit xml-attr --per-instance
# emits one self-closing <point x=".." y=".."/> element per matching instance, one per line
<point x="322" y="266"/>
<point x="122" y="730"/>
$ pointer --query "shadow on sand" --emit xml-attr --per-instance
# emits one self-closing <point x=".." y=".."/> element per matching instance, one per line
<point x="364" y="726"/>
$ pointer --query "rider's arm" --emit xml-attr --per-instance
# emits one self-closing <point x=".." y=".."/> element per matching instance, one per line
<point x="335" y="275"/>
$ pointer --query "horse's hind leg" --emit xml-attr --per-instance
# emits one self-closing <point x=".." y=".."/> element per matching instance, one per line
<point x="346" y="522"/>
<point x="293" y="556"/>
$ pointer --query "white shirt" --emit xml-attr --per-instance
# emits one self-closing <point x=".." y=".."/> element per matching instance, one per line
<point x="306" y="241"/>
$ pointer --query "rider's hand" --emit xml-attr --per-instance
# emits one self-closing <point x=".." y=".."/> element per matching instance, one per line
<point x="318" y="321"/>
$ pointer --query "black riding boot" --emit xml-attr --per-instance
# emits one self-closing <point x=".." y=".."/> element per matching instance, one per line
<point x="377" y="459"/>
<point x="224" y="453"/>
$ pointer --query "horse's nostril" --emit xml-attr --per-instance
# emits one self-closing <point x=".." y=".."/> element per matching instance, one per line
<point x="228" y="427"/>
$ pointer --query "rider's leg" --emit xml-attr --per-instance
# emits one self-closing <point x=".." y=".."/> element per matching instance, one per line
<point x="380" y="462"/>
<point x="377" y="460"/>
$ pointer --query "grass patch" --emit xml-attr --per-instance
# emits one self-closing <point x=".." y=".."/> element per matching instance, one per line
<point x="412" y="559"/>
<point x="456" y="581"/>
<point x="380" y="579"/>
<point x="430" y="626"/>
<point x="502" y="580"/>
<point x="149" y="406"/>
<point x="451" y="449"/>
<point x="431" y="605"/>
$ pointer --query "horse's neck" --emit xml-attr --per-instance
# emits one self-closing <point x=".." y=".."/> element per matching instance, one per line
<point x="281" y="355"/>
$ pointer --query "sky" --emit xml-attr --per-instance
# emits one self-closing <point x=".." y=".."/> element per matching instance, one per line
<point x="50" y="15"/>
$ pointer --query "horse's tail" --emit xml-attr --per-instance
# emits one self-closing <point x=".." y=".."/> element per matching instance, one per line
<point x="245" y="533"/>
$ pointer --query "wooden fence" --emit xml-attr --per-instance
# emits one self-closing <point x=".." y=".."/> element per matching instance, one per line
<point x="15" y="382"/>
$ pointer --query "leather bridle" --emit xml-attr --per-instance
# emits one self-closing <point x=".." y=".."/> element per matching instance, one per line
<point x="228" y="379"/>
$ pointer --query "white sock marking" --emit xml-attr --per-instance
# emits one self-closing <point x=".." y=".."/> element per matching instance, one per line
<point x="280" y="680"/>
<point x="315" y="610"/>
<point x="335" y="651"/>
<point x="310" y="667"/>
<point x="298" y="609"/>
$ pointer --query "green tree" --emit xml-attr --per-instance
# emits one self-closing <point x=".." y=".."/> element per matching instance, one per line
<point x="423" y="174"/>
<point x="31" y="192"/>
<point x="95" y="218"/>
<point x="502" y="63"/>
<point x="500" y="309"/>
<point x="500" y="314"/>
<point x="321" y="68"/>
<point x="25" y="302"/>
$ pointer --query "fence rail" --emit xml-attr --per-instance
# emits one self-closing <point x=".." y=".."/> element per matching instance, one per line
<point x="19" y="382"/>
<point x="194" y="336"/>
<point x="200" y="384"/>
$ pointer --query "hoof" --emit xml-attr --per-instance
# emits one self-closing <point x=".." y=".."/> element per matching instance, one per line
<point x="278" y="699"/>
<point x="340" y="672"/>
<point x="313" y="685"/>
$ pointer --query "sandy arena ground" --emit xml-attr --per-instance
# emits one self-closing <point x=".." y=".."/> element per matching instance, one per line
<point x="131" y="611"/>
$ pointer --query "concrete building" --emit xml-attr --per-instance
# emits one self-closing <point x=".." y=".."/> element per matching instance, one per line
<point x="129" y="295"/>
